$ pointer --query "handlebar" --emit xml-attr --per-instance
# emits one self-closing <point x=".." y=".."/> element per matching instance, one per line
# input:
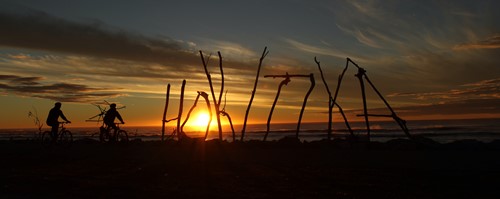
<point x="61" y="124"/>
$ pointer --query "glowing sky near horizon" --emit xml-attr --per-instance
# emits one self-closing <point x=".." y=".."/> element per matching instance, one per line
<point x="430" y="59"/>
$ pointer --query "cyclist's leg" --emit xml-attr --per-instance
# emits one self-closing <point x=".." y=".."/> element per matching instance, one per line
<point x="111" y="126"/>
<point x="53" y="132"/>
<point x="115" y="129"/>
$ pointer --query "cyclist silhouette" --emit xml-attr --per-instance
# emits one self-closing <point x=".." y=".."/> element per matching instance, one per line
<point x="53" y="119"/>
<point x="109" y="118"/>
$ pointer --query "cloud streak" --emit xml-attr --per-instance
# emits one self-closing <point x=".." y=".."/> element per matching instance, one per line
<point x="486" y="89"/>
<point x="64" y="92"/>
<point x="492" y="42"/>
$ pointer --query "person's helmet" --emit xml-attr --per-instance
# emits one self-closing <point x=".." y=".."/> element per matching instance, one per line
<point x="113" y="105"/>
<point x="57" y="104"/>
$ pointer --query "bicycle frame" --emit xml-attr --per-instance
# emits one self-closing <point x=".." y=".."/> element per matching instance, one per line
<point x="106" y="135"/>
<point x="63" y="136"/>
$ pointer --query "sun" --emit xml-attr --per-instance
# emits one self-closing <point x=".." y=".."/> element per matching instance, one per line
<point x="200" y="121"/>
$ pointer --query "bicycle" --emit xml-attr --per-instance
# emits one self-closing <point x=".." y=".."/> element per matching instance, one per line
<point x="64" y="137"/>
<point x="118" y="135"/>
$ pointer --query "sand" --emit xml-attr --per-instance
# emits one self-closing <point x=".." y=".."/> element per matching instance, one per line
<point x="253" y="169"/>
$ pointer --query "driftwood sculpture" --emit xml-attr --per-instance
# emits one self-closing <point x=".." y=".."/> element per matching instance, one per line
<point x="332" y="102"/>
<point x="360" y="75"/>
<point x="264" y="54"/>
<point x="285" y="82"/>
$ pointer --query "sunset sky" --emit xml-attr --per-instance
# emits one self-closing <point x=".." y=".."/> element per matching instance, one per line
<point x="430" y="59"/>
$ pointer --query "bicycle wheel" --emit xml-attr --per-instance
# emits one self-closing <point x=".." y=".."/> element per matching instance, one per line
<point x="66" y="138"/>
<point x="46" y="139"/>
<point x="121" y="136"/>
<point x="104" y="136"/>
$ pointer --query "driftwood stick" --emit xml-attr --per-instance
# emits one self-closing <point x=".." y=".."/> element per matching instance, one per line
<point x="222" y="79"/>
<point x="179" y="116"/>
<point x="284" y="82"/>
<point x="359" y="75"/>
<point x="217" y="114"/>
<point x="341" y="76"/>
<point x="398" y="120"/>
<point x="224" y="113"/>
<point x="264" y="54"/>
<point x="330" y="106"/>
<point x="345" y="120"/>
<point x="313" y="83"/>
<point x="189" y="112"/>
<point x="163" y="121"/>
<point x="205" y="96"/>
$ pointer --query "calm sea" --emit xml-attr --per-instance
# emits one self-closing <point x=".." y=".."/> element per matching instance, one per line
<point x="443" y="131"/>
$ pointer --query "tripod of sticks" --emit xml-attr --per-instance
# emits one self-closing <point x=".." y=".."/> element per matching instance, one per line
<point x="362" y="77"/>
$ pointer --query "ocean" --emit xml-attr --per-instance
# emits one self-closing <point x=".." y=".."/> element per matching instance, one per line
<point x="443" y="131"/>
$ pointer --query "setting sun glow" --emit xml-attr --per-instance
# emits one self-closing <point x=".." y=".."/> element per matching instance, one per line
<point x="199" y="121"/>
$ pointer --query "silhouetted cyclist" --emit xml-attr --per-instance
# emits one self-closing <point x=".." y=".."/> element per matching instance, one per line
<point x="53" y="119"/>
<point x="109" y="118"/>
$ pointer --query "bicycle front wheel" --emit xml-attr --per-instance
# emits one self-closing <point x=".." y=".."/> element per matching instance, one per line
<point x="122" y="136"/>
<point x="66" y="138"/>
<point x="46" y="139"/>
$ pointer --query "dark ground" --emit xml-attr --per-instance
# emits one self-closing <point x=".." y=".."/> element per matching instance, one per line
<point x="216" y="169"/>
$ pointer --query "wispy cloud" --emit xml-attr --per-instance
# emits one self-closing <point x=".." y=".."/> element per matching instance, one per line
<point x="322" y="51"/>
<point x="230" y="49"/>
<point x="486" y="89"/>
<point x="492" y="42"/>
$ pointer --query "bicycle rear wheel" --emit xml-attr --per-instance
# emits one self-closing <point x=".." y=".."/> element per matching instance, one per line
<point x="66" y="138"/>
<point x="122" y="136"/>
<point x="46" y="139"/>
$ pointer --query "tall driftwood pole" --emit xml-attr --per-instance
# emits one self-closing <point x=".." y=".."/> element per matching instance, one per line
<point x="330" y="104"/>
<point x="165" y="113"/>
<point x="264" y="54"/>
<point x="284" y="82"/>
<point x="359" y="75"/>
<point x="209" y="77"/>
<point x="223" y="111"/>
<point x="179" y="116"/>
<point x="313" y="83"/>
<point x="222" y="79"/>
